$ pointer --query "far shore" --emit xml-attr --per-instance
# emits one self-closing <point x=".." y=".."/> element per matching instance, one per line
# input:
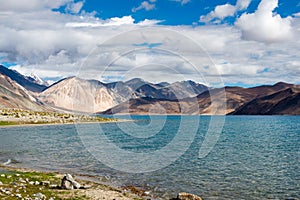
<point x="19" y="117"/>
<point x="60" y="124"/>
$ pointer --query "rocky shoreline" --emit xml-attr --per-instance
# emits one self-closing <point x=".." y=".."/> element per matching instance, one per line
<point x="33" y="185"/>
<point x="27" y="184"/>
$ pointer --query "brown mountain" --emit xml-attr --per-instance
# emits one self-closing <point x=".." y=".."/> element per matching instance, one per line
<point x="94" y="96"/>
<point x="284" y="102"/>
<point x="236" y="99"/>
<point x="139" y="97"/>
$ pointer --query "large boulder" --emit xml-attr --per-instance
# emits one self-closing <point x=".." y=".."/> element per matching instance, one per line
<point x="69" y="183"/>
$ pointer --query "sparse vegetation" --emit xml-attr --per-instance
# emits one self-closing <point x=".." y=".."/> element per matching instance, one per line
<point x="19" y="117"/>
<point x="31" y="185"/>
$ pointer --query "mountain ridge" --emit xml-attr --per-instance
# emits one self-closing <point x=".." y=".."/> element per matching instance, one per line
<point x="136" y="96"/>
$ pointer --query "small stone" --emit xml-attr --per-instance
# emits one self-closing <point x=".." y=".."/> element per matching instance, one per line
<point x="22" y="180"/>
<point x="85" y="187"/>
<point x="9" y="176"/>
<point x="40" y="196"/>
<point x="18" y="175"/>
<point x="18" y="196"/>
<point x="45" y="183"/>
<point x="1" y="183"/>
<point x="2" y="175"/>
<point x="187" y="196"/>
<point x="27" y="180"/>
<point x="7" y="192"/>
<point x="53" y="186"/>
<point x="36" y="183"/>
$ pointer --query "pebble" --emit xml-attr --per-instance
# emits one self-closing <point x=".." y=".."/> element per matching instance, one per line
<point x="22" y="180"/>
<point x="187" y="196"/>
<point x="2" y="175"/>
<point x="31" y="183"/>
<point x="36" y="183"/>
<point x="1" y="183"/>
<point x="40" y="196"/>
<point x="53" y="186"/>
<point x="9" y="176"/>
<point x="18" y="175"/>
<point x="18" y="195"/>
<point x="45" y="183"/>
<point x="86" y="187"/>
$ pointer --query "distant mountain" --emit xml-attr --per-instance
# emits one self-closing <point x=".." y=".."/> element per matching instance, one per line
<point x="91" y="96"/>
<point x="28" y="83"/>
<point x="94" y="96"/>
<point x="284" y="102"/>
<point x="137" y="96"/>
<point x="13" y="95"/>
<point x="177" y="90"/>
<point x="238" y="101"/>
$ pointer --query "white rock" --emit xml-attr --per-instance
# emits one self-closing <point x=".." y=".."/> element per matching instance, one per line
<point x="1" y="183"/>
<point x="22" y="180"/>
<point x="2" y="175"/>
<point x="40" y="196"/>
<point x="36" y="183"/>
<point x="18" y="195"/>
<point x="76" y="184"/>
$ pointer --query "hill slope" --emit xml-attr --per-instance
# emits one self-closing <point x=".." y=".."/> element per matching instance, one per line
<point x="27" y="82"/>
<point x="13" y="95"/>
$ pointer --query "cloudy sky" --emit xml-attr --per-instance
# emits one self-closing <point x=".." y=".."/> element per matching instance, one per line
<point x="238" y="42"/>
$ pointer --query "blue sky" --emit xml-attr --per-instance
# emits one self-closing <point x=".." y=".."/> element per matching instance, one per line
<point x="173" y="12"/>
<point x="242" y="42"/>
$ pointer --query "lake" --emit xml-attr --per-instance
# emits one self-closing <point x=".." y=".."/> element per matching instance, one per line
<point x="250" y="157"/>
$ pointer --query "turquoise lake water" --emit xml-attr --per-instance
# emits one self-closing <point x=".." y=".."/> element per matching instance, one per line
<point x="254" y="157"/>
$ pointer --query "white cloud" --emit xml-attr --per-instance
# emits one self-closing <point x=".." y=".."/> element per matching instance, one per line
<point x="148" y="22"/>
<point x="30" y="5"/>
<point x="73" y="7"/>
<point x="182" y="1"/>
<point x="264" y="25"/>
<point x="222" y="11"/>
<point x="54" y="45"/>
<point x="297" y="14"/>
<point x="242" y="4"/>
<point x="144" y="5"/>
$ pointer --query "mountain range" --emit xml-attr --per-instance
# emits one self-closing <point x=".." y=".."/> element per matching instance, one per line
<point x="137" y="96"/>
